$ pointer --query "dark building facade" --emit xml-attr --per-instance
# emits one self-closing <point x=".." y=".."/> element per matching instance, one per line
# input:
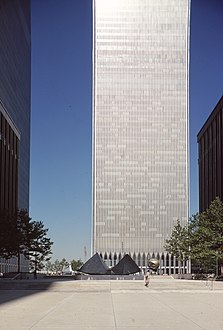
<point x="210" y="159"/>
<point x="15" y="83"/>
<point x="15" y="71"/>
<point x="9" y="145"/>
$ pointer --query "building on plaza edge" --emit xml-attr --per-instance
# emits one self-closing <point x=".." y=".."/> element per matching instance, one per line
<point x="15" y="71"/>
<point x="210" y="159"/>
<point x="140" y="128"/>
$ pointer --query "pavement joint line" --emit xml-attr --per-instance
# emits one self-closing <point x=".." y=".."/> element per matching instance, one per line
<point x="50" y="310"/>
<point x="175" y="311"/>
<point x="194" y="305"/>
<point x="113" y="309"/>
<point x="167" y="291"/>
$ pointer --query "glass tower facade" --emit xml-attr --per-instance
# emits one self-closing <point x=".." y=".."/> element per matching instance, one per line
<point x="210" y="159"/>
<point x="15" y="73"/>
<point x="15" y="83"/>
<point x="140" y="126"/>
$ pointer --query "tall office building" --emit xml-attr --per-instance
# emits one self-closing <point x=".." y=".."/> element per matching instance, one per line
<point x="15" y="72"/>
<point x="140" y="127"/>
<point x="210" y="159"/>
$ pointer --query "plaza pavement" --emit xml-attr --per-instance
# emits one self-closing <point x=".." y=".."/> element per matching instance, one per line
<point x="108" y="305"/>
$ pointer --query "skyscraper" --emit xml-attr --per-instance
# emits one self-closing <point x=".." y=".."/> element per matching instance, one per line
<point x="210" y="158"/>
<point x="140" y="127"/>
<point x="15" y="72"/>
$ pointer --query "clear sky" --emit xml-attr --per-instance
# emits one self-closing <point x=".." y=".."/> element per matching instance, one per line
<point x="60" y="184"/>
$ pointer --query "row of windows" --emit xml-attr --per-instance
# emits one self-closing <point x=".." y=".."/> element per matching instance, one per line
<point x="149" y="123"/>
<point x="8" y="167"/>
<point x="157" y="21"/>
<point x="211" y="159"/>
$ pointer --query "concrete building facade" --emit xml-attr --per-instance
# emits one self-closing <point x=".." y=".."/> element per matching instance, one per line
<point x="140" y="127"/>
<point x="210" y="158"/>
<point x="15" y="83"/>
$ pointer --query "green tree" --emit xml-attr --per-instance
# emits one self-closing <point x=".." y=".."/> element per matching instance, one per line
<point x="49" y="266"/>
<point x="39" y="246"/>
<point x="76" y="264"/>
<point x="206" y="237"/>
<point x="56" y="266"/>
<point x="63" y="264"/>
<point x="14" y="235"/>
<point x="178" y="243"/>
<point x="23" y="231"/>
<point x="20" y="235"/>
<point x="201" y="240"/>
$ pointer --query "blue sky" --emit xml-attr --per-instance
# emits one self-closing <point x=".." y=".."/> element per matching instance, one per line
<point x="60" y="184"/>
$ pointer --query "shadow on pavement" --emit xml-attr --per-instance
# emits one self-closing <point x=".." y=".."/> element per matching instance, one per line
<point x="17" y="289"/>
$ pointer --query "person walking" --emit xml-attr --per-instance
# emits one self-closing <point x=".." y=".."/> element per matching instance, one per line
<point x="147" y="278"/>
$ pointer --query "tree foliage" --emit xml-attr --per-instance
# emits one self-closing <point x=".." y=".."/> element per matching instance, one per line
<point x="22" y="234"/>
<point x="15" y="232"/>
<point x="178" y="244"/>
<point x="76" y="264"/>
<point x="202" y="239"/>
<point x="64" y="264"/>
<point x="19" y="235"/>
<point x="206" y="236"/>
<point x="58" y="266"/>
<point x="39" y="248"/>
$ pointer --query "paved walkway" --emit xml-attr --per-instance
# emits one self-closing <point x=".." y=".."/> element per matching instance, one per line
<point x="108" y="305"/>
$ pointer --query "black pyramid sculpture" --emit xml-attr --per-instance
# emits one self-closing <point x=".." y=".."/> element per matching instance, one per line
<point x="125" y="266"/>
<point x="95" y="266"/>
